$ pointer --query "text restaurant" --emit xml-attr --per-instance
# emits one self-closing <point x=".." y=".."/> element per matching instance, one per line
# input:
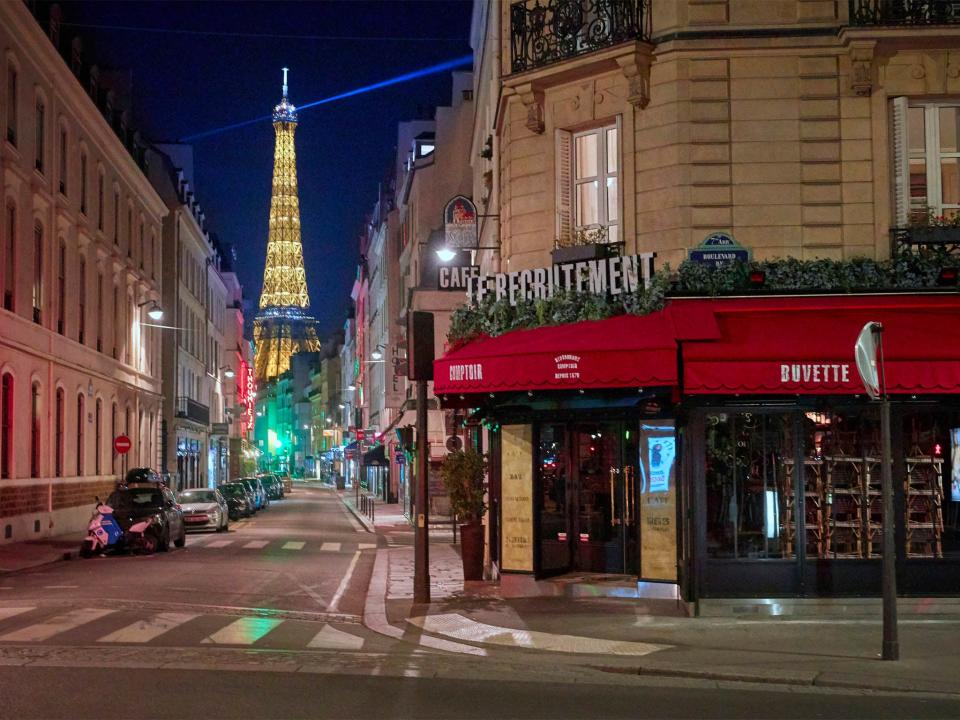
<point x="722" y="447"/>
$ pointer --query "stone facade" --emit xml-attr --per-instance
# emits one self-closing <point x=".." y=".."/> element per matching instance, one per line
<point x="769" y="120"/>
<point x="80" y="249"/>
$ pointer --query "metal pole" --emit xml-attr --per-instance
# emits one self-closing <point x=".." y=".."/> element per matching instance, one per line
<point x="891" y="644"/>
<point x="421" y="568"/>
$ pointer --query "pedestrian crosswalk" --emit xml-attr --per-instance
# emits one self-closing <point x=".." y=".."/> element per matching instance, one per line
<point x="216" y="542"/>
<point x="87" y="626"/>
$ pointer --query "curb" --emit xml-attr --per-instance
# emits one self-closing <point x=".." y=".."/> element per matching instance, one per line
<point x="65" y="555"/>
<point x="359" y="516"/>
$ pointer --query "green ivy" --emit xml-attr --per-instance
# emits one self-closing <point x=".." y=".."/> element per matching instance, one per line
<point x="906" y="271"/>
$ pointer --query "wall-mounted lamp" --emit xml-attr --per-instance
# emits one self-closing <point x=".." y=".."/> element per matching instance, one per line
<point x="155" y="312"/>
<point x="376" y="354"/>
<point x="228" y="372"/>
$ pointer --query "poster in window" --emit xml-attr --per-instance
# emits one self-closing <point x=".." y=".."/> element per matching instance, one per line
<point x="516" y="497"/>
<point x="955" y="465"/>
<point x="658" y="502"/>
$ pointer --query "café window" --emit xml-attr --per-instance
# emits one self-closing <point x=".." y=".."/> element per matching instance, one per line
<point x="927" y="160"/>
<point x="588" y="184"/>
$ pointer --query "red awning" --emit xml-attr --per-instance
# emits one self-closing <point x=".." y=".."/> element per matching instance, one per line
<point x="804" y="345"/>
<point x="625" y="351"/>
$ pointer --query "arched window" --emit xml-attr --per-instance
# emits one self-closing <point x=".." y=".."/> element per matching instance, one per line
<point x="58" y="419"/>
<point x="35" y="430"/>
<point x="98" y="439"/>
<point x="113" y="434"/>
<point x="9" y="255"/>
<point x="82" y="309"/>
<point x="62" y="288"/>
<point x="81" y="421"/>
<point x="6" y="426"/>
<point x="13" y="105"/>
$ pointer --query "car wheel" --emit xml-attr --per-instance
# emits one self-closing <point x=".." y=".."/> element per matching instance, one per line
<point x="86" y="549"/>
<point x="182" y="540"/>
<point x="150" y="543"/>
<point x="226" y="525"/>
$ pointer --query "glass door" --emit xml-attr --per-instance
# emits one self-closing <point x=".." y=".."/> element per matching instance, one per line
<point x="600" y="498"/>
<point x="555" y="535"/>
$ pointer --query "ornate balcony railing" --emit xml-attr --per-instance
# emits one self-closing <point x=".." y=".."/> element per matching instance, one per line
<point x="926" y="239"/>
<point x="904" y="12"/>
<point x="543" y="32"/>
<point x="192" y="410"/>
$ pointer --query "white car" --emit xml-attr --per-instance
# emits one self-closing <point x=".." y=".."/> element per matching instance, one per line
<point x="204" y="509"/>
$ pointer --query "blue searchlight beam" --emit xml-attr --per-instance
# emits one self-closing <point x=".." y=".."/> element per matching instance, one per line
<point x="422" y="72"/>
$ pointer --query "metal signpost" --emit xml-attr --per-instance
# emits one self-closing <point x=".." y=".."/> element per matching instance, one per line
<point x="869" y="356"/>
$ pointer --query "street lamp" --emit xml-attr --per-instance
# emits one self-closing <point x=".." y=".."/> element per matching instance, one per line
<point x="446" y="254"/>
<point x="376" y="354"/>
<point x="228" y="372"/>
<point x="155" y="312"/>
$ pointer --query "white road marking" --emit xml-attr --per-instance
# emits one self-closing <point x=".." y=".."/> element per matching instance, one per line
<point x="330" y="547"/>
<point x="367" y="546"/>
<point x="60" y="587"/>
<point x="11" y="611"/>
<point x="56" y="625"/>
<point x="146" y="630"/>
<point x="342" y="588"/>
<point x="219" y="543"/>
<point x="245" y="631"/>
<point x="332" y="639"/>
<point x="256" y="544"/>
<point x="463" y="628"/>
<point x="294" y="545"/>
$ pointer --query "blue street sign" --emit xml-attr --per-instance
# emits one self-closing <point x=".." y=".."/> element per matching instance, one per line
<point x="717" y="250"/>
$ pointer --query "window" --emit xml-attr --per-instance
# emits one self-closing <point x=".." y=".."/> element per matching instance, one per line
<point x="129" y="230"/>
<point x="98" y="439"/>
<point x="99" y="311"/>
<point x="62" y="289"/>
<point x="82" y="309"/>
<point x="113" y="434"/>
<point x="140" y="246"/>
<point x="37" y="272"/>
<point x="58" y="419"/>
<point x="63" y="161"/>
<point x="80" y="423"/>
<point x="100" y="200"/>
<point x="12" y="107"/>
<point x="927" y="149"/>
<point x="150" y="251"/>
<point x="6" y="426"/>
<point x="83" y="182"/>
<point x="117" y="324"/>
<point x="9" y="258"/>
<point x="40" y="131"/>
<point x="588" y="184"/>
<point x="35" y="430"/>
<point x="116" y="217"/>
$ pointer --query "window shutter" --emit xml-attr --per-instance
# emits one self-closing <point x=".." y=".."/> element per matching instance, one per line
<point x="564" y="152"/>
<point x="901" y="162"/>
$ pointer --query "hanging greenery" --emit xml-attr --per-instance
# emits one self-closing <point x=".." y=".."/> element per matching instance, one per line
<point x="905" y="271"/>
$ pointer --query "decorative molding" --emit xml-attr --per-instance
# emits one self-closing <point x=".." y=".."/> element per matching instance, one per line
<point x="636" y="69"/>
<point x="532" y="99"/>
<point x="861" y="67"/>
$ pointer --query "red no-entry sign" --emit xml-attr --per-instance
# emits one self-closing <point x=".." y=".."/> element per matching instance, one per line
<point x="121" y="444"/>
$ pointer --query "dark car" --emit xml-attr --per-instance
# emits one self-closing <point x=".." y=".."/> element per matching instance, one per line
<point x="142" y="498"/>
<point x="256" y="488"/>
<point x="273" y="486"/>
<point x="239" y="501"/>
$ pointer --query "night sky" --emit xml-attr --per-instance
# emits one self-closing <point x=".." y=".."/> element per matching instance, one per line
<point x="187" y="83"/>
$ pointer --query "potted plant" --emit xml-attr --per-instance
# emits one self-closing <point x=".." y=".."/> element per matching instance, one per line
<point x="462" y="473"/>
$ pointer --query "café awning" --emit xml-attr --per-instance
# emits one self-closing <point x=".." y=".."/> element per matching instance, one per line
<point x="805" y="344"/>
<point x="620" y="352"/>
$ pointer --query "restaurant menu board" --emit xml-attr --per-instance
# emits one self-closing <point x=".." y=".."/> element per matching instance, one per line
<point x="516" y="497"/>
<point x="658" y="502"/>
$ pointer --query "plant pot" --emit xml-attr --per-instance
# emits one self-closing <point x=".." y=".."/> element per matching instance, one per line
<point x="580" y="253"/>
<point x="471" y="550"/>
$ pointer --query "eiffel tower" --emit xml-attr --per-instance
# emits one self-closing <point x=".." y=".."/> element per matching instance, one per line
<point x="283" y="326"/>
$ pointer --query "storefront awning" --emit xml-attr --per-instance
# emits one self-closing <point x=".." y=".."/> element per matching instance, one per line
<point x="625" y="351"/>
<point x="804" y="345"/>
<point x="375" y="456"/>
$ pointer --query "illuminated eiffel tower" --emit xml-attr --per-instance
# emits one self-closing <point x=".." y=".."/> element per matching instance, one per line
<point x="283" y="326"/>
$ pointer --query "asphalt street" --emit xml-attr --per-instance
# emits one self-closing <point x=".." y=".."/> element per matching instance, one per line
<point x="266" y="620"/>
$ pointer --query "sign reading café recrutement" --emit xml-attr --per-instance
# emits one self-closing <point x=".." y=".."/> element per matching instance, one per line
<point x="718" y="249"/>
<point x="460" y="224"/>
<point x="621" y="274"/>
<point x="516" y="497"/>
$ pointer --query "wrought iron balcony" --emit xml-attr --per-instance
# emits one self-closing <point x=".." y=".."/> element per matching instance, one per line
<point x="904" y="12"/>
<point x="192" y="410"/>
<point x="543" y="32"/>
<point x="926" y="238"/>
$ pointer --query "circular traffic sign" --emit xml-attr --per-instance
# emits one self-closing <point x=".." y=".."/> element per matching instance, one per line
<point x="122" y="444"/>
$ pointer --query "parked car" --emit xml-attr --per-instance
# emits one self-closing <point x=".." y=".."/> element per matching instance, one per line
<point x="287" y="484"/>
<point x="272" y="485"/>
<point x="205" y="509"/>
<point x="143" y="497"/>
<point x="256" y="489"/>
<point x="240" y="501"/>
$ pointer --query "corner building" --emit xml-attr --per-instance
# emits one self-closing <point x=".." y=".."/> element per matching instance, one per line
<point x="719" y="448"/>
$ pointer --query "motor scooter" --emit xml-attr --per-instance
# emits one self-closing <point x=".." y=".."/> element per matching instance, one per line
<point x="103" y="532"/>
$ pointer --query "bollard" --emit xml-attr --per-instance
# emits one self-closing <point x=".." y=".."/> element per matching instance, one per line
<point x="373" y="510"/>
